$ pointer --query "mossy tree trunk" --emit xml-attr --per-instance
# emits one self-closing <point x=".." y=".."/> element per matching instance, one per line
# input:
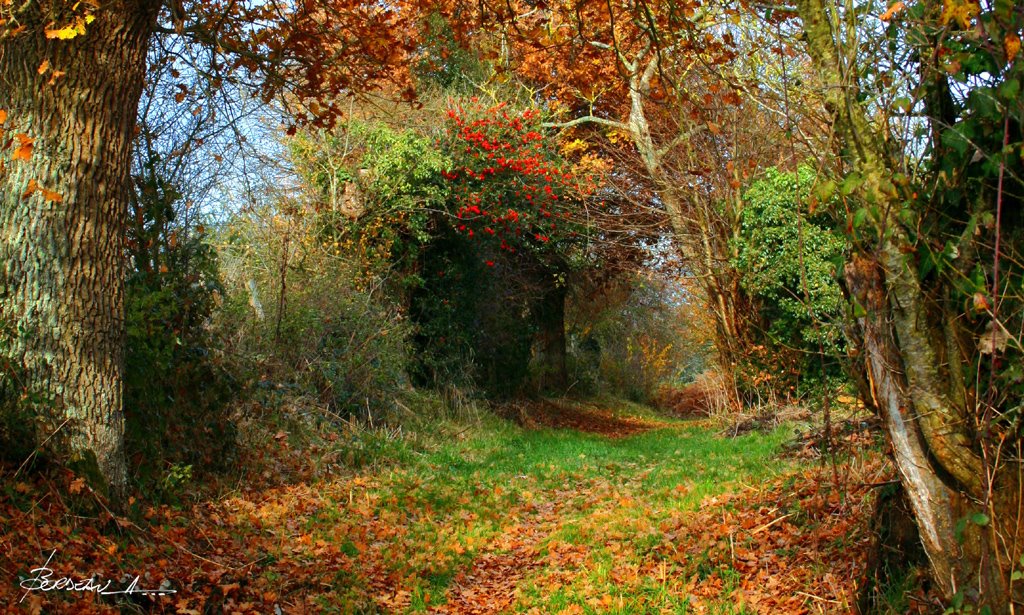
<point x="913" y="378"/>
<point x="62" y="223"/>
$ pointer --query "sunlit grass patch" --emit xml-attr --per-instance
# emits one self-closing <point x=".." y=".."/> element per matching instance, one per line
<point x="486" y="514"/>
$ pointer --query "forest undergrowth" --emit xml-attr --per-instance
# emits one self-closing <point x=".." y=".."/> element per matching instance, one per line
<point x="572" y="507"/>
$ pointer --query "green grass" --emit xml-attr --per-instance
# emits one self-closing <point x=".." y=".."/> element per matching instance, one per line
<point x="342" y="519"/>
<point x="454" y="495"/>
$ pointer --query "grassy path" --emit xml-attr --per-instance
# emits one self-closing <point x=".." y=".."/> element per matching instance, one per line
<point x="598" y="510"/>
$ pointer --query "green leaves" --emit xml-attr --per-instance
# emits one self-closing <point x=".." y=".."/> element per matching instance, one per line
<point x="1018" y="573"/>
<point x="903" y="104"/>
<point x="825" y="190"/>
<point x="979" y="519"/>
<point x="786" y="256"/>
<point x="958" y="138"/>
<point x="851" y="183"/>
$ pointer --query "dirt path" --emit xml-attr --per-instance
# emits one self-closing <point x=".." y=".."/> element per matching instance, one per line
<point x="587" y="418"/>
<point x="747" y="546"/>
<point x="491" y="584"/>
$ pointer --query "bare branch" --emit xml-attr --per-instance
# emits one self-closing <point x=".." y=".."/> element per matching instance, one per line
<point x="587" y="119"/>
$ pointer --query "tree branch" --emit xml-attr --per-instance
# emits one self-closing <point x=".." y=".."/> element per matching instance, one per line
<point x="586" y="119"/>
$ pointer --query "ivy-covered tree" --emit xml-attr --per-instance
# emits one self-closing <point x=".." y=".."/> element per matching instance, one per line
<point x="789" y="258"/>
<point x="928" y="134"/>
<point x="475" y="222"/>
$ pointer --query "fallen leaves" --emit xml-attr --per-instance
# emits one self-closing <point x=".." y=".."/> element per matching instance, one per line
<point x="393" y="539"/>
<point x="588" y="419"/>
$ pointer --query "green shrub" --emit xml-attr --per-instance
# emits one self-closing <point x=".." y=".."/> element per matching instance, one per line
<point x="177" y="382"/>
<point x="326" y="328"/>
<point x="788" y="256"/>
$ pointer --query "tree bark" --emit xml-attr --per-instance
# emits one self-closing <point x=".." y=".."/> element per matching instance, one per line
<point x="958" y="562"/>
<point x="904" y="343"/>
<point x="549" y="343"/>
<point x="63" y="257"/>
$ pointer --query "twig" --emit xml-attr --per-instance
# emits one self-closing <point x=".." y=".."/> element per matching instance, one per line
<point x="770" y="523"/>
<point x="880" y="484"/>
<point x="829" y="600"/>
<point x="41" y="444"/>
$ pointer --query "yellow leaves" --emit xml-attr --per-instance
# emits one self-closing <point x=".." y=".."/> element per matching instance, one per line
<point x="24" y="150"/>
<point x="892" y="11"/>
<point x="45" y="66"/>
<point x="63" y="34"/>
<point x="617" y="136"/>
<point x="1011" y="45"/>
<point x="961" y="11"/>
<point x="70" y="31"/>
<point x="574" y="146"/>
<point x="592" y="164"/>
<point x="3" y="117"/>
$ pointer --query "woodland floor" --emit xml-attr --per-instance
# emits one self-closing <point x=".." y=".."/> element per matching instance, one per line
<point x="585" y="508"/>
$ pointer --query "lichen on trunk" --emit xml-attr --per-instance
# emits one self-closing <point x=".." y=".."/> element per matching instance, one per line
<point x="62" y="223"/>
<point x="904" y="336"/>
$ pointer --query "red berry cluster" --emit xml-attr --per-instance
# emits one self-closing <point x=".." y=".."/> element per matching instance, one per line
<point x="506" y="181"/>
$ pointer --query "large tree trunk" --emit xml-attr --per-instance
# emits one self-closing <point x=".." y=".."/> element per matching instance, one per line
<point x="549" y="343"/>
<point x="63" y="256"/>
<point x="961" y="560"/>
<point x="915" y="384"/>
